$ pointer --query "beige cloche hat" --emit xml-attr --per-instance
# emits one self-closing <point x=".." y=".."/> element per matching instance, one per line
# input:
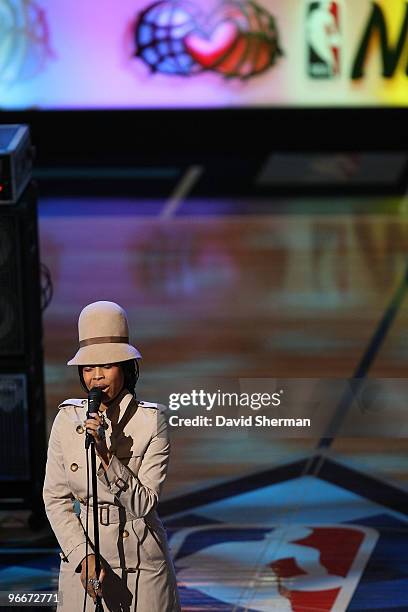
<point x="103" y="336"/>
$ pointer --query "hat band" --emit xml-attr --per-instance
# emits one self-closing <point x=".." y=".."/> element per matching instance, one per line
<point x="104" y="340"/>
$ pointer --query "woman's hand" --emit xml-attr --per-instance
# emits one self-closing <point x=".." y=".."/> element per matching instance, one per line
<point x="91" y="574"/>
<point x="92" y="425"/>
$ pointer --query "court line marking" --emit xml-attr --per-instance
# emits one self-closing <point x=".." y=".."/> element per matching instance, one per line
<point x="186" y="184"/>
<point x="365" y="363"/>
<point x="370" y="353"/>
<point x="25" y="551"/>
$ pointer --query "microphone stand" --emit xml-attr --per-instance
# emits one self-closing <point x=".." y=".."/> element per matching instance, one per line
<point x="94" y="401"/>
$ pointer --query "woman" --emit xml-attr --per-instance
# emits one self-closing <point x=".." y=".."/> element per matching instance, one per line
<point x="132" y="450"/>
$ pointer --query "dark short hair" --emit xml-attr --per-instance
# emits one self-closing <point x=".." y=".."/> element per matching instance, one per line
<point x="130" y="371"/>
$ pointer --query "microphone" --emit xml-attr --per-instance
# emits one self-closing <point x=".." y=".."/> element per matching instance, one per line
<point x="94" y="401"/>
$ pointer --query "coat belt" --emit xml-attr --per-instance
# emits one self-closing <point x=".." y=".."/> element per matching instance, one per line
<point x="109" y="514"/>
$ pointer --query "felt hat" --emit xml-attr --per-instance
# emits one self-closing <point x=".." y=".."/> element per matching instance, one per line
<point x="103" y="336"/>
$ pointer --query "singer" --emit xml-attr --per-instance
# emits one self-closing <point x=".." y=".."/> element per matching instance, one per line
<point x="132" y="451"/>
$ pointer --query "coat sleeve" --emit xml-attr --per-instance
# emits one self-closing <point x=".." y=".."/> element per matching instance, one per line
<point x="139" y="495"/>
<point x="58" y="501"/>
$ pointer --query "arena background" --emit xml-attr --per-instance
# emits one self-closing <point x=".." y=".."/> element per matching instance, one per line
<point x="246" y="202"/>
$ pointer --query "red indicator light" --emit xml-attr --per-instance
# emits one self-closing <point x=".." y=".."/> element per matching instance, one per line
<point x="1" y="187"/>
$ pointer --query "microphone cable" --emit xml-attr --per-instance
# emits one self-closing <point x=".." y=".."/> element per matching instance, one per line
<point x="94" y="395"/>
<point x="86" y="529"/>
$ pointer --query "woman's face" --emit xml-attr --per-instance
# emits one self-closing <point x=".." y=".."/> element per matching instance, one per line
<point x="109" y="378"/>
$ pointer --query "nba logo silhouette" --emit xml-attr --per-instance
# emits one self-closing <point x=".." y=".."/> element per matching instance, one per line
<point x="288" y="568"/>
<point x="323" y="36"/>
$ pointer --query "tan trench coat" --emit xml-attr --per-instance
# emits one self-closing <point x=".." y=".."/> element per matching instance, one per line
<point x="139" y="570"/>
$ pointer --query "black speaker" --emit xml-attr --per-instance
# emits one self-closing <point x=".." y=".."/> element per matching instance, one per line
<point x="22" y="401"/>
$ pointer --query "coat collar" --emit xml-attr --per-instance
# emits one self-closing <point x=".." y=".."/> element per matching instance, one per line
<point x="124" y="402"/>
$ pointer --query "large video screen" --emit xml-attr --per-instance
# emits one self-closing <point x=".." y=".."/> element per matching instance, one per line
<point x="149" y="54"/>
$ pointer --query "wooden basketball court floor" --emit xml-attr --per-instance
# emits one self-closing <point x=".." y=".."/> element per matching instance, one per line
<point x="230" y="290"/>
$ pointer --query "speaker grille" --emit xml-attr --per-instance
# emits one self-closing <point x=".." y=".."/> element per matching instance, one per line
<point x="14" y="442"/>
<point x="11" y="320"/>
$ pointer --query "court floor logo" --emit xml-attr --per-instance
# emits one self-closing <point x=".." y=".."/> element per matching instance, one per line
<point x="239" y="39"/>
<point x="284" y="569"/>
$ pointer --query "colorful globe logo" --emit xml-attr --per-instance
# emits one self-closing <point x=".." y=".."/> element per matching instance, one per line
<point x="24" y="40"/>
<point x="160" y="37"/>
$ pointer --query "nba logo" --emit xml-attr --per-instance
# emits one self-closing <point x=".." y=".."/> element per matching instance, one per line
<point x="323" y="36"/>
<point x="291" y="568"/>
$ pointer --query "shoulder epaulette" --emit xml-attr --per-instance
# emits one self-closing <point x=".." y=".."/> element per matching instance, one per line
<point x="78" y="403"/>
<point x="159" y="407"/>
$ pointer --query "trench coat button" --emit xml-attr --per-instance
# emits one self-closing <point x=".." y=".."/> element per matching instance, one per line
<point x="74" y="467"/>
<point x="125" y="534"/>
<point x="80" y="429"/>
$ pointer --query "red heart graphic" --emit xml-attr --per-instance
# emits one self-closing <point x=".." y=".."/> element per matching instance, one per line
<point x="208" y="50"/>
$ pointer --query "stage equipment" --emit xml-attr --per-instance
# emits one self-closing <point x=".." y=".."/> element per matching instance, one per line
<point x="22" y="404"/>
<point x="16" y="162"/>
